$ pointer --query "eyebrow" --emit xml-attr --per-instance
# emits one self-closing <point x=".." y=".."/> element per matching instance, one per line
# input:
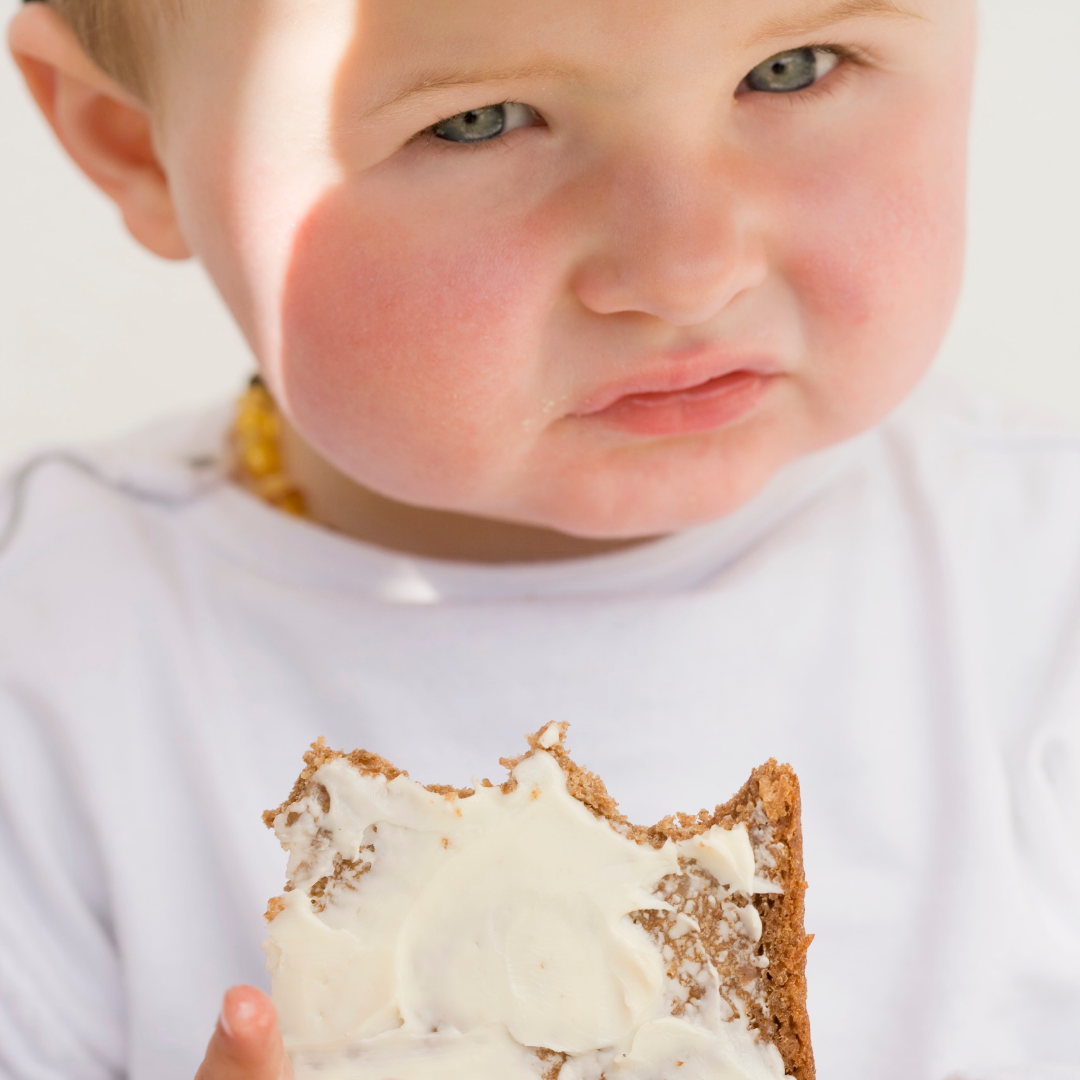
<point x="431" y="82"/>
<point x="803" y="25"/>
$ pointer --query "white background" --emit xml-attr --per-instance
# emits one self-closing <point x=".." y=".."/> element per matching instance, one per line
<point x="97" y="336"/>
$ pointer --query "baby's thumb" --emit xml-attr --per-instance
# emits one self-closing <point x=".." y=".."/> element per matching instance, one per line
<point x="246" y="1044"/>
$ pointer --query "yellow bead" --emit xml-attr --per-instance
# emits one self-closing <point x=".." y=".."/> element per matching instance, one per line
<point x="256" y="424"/>
<point x="248" y="423"/>
<point x="261" y="458"/>
<point x="293" y="503"/>
<point x="272" y="487"/>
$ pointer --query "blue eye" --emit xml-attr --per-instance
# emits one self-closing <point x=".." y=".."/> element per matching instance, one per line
<point x="481" y="125"/>
<point x="793" y="70"/>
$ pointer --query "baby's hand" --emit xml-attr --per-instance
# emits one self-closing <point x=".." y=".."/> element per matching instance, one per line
<point x="246" y="1044"/>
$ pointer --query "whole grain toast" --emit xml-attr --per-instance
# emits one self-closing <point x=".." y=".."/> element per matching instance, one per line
<point x="762" y="974"/>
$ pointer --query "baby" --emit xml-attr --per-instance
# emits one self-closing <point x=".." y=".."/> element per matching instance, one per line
<point x="583" y="325"/>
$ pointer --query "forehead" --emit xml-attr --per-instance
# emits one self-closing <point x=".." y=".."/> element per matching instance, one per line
<point x="636" y="18"/>
<point x="423" y="39"/>
<point x="432" y="43"/>
<point x="470" y="27"/>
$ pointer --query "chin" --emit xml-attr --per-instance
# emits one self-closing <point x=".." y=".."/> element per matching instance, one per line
<point x="633" y="495"/>
<point x="647" y="510"/>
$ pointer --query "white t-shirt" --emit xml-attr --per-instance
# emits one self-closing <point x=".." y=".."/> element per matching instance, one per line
<point x="898" y="617"/>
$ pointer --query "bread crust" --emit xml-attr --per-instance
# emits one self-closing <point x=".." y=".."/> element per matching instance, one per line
<point x="774" y="788"/>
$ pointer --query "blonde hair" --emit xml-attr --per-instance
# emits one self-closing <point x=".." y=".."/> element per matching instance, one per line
<point x="115" y="35"/>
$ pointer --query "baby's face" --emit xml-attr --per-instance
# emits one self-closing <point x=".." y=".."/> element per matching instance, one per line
<point x="597" y="265"/>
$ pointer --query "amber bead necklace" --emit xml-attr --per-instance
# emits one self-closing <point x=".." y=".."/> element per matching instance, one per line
<point x="257" y="464"/>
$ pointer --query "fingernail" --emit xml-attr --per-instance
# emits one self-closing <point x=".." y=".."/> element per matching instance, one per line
<point x="246" y="1011"/>
<point x="224" y="1024"/>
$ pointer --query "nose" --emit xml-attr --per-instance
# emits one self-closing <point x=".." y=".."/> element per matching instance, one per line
<point x="672" y="238"/>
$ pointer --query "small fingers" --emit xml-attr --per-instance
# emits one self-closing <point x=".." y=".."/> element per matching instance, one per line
<point x="246" y="1045"/>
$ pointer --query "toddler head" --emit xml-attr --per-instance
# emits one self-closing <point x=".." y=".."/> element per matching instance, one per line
<point x="598" y="266"/>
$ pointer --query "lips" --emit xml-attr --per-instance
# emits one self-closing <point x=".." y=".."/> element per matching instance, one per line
<point x="683" y="398"/>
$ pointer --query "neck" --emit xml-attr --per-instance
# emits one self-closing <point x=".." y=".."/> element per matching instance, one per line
<point x="336" y="501"/>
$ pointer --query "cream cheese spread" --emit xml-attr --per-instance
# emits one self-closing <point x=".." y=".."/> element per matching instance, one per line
<point x="488" y="937"/>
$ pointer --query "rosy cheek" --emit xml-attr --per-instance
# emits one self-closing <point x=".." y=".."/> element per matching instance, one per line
<point x="406" y="345"/>
<point x="875" y="259"/>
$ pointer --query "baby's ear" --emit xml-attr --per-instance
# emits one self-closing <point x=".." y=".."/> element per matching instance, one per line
<point x="104" y="128"/>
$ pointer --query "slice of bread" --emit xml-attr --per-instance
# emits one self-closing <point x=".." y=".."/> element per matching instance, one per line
<point x="730" y="942"/>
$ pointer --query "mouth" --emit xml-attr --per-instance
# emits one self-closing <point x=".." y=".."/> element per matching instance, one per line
<point x="683" y="399"/>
